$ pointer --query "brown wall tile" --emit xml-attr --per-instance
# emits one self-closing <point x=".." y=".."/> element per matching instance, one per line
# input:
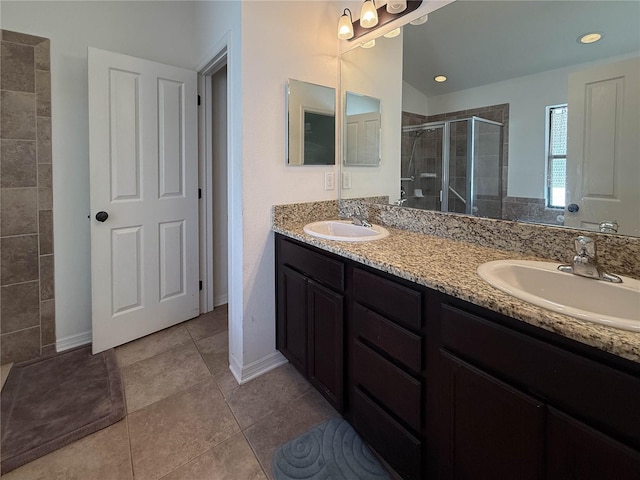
<point x="18" y="211"/>
<point x="43" y="93"/>
<point x="18" y="37"/>
<point x="45" y="231"/>
<point x="43" y="140"/>
<point x="46" y="277"/>
<point x="17" y="68"/>
<point x="18" y="259"/>
<point x="48" y="321"/>
<point x="20" y="306"/>
<point x="41" y="55"/>
<point x="18" y="119"/>
<point x="20" y="346"/>
<point x="18" y="163"/>
<point x="45" y="192"/>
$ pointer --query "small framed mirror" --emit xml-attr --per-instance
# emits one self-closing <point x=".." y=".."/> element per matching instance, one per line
<point x="362" y="130"/>
<point x="311" y="132"/>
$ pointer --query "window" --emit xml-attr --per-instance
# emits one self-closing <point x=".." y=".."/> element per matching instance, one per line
<point x="556" y="155"/>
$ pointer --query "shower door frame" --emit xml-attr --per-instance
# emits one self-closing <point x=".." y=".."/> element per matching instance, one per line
<point x="446" y="157"/>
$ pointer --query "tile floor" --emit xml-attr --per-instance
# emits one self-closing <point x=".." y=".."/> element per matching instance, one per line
<point x="187" y="417"/>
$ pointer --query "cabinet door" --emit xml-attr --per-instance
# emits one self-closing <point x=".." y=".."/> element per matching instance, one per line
<point x="488" y="429"/>
<point x="292" y="317"/>
<point x="326" y="346"/>
<point x="576" y="451"/>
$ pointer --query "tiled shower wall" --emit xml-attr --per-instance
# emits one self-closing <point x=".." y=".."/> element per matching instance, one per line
<point x="27" y="322"/>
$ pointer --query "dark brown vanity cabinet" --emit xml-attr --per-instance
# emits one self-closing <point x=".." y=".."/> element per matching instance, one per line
<point x="510" y="405"/>
<point x="310" y="316"/>
<point x="385" y="352"/>
<point x="444" y="389"/>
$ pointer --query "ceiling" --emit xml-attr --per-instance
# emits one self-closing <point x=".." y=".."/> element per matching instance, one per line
<point x="475" y="42"/>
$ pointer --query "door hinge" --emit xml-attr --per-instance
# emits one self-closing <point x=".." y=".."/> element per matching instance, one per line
<point x="199" y="193"/>
<point x="198" y="100"/>
<point x="200" y="284"/>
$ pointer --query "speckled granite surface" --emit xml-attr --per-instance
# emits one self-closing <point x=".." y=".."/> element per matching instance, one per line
<point x="437" y="261"/>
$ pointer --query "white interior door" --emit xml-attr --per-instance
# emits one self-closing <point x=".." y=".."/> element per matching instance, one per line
<point x="144" y="175"/>
<point x="603" y="147"/>
<point x="363" y="139"/>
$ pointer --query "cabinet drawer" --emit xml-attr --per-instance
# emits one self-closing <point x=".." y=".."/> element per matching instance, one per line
<point x="396" y="445"/>
<point x="398" y="391"/>
<point x="401" y="344"/>
<point x="585" y="388"/>
<point x="312" y="264"/>
<point x="389" y="298"/>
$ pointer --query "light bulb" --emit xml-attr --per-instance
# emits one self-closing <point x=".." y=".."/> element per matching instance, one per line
<point x="396" y="6"/>
<point x="345" y="26"/>
<point x="420" y="20"/>
<point x="369" y="44"/>
<point x="393" y="33"/>
<point x="368" y="14"/>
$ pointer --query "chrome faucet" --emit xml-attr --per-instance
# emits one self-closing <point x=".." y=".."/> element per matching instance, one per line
<point x="585" y="262"/>
<point x="358" y="218"/>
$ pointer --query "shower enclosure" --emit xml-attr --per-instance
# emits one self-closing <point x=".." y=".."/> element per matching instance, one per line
<point x="453" y="166"/>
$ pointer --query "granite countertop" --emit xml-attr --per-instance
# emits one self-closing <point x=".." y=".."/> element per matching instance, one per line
<point x="449" y="266"/>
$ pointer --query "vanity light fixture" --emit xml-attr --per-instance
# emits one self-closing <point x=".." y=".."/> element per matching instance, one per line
<point x="369" y="44"/>
<point x="368" y="14"/>
<point x="396" y="6"/>
<point x="393" y="33"/>
<point x="420" y="20"/>
<point x="591" y="37"/>
<point x="440" y="78"/>
<point x="345" y="26"/>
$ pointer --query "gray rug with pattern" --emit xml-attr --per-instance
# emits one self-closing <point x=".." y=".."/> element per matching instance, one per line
<point x="332" y="450"/>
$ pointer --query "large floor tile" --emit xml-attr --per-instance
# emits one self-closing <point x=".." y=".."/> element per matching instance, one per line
<point x="208" y="324"/>
<point x="286" y="424"/>
<point x="231" y="460"/>
<point x="155" y="378"/>
<point x="102" y="455"/>
<point x="260" y="397"/>
<point x="227" y="383"/>
<point x="215" y="352"/>
<point x="152" y="345"/>
<point x="174" y="431"/>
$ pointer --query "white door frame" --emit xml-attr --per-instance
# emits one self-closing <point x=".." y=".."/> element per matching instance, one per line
<point x="205" y="172"/>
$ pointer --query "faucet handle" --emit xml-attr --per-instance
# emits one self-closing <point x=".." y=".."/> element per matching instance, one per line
<point x="585" y="246"/>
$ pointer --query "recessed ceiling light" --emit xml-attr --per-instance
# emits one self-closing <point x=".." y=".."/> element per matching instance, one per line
<point x="590" y="37"/>
<point x="393" y="33"/>
<point x="440" y="78"/>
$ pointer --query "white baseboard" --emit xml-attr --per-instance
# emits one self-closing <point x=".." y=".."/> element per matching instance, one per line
<point x="73" y="341"/>
<point x="253" y="370"/>
<point x="220" y="300"/>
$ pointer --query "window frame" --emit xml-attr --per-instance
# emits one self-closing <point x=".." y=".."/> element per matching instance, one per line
<point x="549" y="157"/>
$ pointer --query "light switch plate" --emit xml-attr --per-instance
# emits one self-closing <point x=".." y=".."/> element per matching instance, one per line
<point x="329" y="181"/>
<point x="346" y="180"/>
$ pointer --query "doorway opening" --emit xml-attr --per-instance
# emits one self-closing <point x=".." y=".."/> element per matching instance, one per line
<point x="213" y="153"/>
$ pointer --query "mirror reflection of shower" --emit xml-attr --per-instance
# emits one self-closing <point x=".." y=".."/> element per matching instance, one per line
<point x="453" y="166"/>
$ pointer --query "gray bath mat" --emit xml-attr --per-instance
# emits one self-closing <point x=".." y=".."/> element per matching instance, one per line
<point x="52" y="401"/>
<point x="330" y="451"/>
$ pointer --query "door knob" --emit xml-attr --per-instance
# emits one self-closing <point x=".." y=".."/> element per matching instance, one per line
<point x="573" y="207"/>
<point x="102" y="216"/>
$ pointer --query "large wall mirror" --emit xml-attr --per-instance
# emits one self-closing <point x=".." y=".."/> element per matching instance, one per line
<point x="311" y="124"/>
<point x="530" y="125"/>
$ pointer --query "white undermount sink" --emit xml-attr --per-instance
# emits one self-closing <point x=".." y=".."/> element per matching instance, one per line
<point x="541" y="283"/>
<point x="345" y="231"/>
